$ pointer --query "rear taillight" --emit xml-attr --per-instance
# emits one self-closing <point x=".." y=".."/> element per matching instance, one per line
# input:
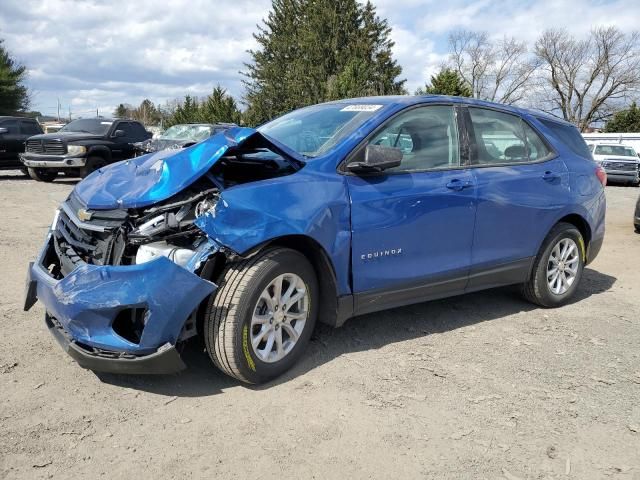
<point x="602" y="175"/>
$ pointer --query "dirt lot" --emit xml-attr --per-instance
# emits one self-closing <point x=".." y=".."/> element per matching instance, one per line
<point x="480" y="386"/>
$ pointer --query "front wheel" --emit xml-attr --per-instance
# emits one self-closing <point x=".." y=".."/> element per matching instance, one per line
<point x="260" y="320"/>
<point x="558" y="267"/>
<point x="42" y="175"/>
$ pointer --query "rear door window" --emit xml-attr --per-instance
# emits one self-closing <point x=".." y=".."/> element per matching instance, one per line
<point x="29" y="128"/>
<point x="502" y="138"/>
<point x="138" y="132"/>
<point x="127" y="128"/>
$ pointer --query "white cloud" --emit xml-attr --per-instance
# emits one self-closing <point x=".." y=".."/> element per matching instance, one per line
<point x="103" y="53"/>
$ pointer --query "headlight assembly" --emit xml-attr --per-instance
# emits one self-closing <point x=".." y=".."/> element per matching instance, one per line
<point x="76" y="149"/>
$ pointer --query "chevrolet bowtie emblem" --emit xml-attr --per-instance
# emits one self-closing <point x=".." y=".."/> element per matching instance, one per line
<point x="84" y="215"/>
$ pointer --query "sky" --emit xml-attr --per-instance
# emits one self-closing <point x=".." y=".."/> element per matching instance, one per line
<point x="96" y="54"/>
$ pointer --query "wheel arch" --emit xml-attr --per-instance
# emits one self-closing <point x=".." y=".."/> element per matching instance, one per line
<point x="333" y="309"/>
<point x="99" y="151"/>
<point x="580" y="223"/>
<point x="583" y="227"/>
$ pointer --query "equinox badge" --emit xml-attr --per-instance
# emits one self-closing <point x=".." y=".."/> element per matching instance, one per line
<point x="382" y="253"/>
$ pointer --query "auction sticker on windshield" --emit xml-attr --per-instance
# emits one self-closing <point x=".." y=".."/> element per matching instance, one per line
<point x="361" y="108"/>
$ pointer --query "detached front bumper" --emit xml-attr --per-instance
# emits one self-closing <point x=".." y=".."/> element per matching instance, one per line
<point x="83" y="308"/>
<point x="35" y="160"/>
<point x="165" y="360"/>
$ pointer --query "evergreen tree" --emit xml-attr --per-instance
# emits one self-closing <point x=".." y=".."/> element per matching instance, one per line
<point x="312" y="51"/>
<point x="186" y="112"/>
<point x="446" y="82"/>
<point x="219" y="107"/>
<point x="122" y="111"/>
<point x="14" y="96"/>
<point x="625" y="121"/>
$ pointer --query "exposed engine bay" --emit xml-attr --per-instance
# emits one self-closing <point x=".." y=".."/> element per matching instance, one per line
<point x="138" y="235"/>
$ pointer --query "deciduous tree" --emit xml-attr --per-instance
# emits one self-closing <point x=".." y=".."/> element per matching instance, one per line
<point x="585" y="78"/>
<point x="498" y="71"/>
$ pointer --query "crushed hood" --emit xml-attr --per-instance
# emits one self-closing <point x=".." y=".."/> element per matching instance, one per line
<point x="149" y="179"/>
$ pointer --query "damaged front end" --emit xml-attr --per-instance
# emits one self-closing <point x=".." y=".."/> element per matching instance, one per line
<point x="121" y="272"/>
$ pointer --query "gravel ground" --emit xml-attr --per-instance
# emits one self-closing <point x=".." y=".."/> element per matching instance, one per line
<point x="479" y="386"/>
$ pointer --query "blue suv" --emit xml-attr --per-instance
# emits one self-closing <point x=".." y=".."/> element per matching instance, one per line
<point x="328" y="212"/>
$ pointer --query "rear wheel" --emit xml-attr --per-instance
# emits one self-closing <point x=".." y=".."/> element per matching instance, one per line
<point x="558" y="267"/>
<point x="260" y="320"/>
<point x="92" y="164"/>
<point x="42" y="175"/>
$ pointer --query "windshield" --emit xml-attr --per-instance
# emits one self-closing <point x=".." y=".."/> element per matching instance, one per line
<point x="187" y="132"/>
<point x="313" y="131"/>
<point x="96" y="126"/>
<point x="619" y="150"/>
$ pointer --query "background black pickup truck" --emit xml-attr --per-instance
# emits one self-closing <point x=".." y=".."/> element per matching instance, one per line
<point x="81" y="147"/>
<point x="14" y="132"/>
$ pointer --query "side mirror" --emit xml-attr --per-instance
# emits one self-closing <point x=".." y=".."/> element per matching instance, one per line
<point x="376" y="159"/>
<point x="119" y="133"/>
<point x="3" y="130"/>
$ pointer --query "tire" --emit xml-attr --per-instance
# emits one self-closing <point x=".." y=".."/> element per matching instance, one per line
<point x="228" y="330"/>
<point x="42" y="175"/>
<point x="538" y="290"/>
<point x="636" y="228"/>
<point x="92" y="164"/>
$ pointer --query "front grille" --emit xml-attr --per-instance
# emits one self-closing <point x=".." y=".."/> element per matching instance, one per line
<point x="35" y="146"/>
<point x="46" y="147"/>
<point x="77" y="241"/>
<point x="620" y="166"/>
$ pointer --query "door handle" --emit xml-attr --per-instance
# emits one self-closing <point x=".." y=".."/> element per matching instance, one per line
<point x="550" y="176"/>
<point x="457" y="184"/>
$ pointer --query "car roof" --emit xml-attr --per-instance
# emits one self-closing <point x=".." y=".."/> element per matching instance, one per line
<point x="421" y="99"/>
<point x="9" y="117"/>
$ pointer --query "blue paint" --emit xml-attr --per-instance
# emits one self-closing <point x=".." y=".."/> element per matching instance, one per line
<point x="502" y="216"/>
<point x="87" y="301"/>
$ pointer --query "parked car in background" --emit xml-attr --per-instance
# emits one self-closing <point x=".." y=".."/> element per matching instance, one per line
<point x="636" y="217"/>
<point x="181" y="136"/>
<point x="14" y="132"/>
<point x="328" y="212"/>
<point x="82" y="146"/>
<point x="621" y="162"/>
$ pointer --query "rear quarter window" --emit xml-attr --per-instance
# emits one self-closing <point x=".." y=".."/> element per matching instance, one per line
<point x="570" y="136"/>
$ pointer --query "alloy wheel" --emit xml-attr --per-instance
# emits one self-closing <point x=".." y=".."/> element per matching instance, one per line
<point x="279" y="317"/>
<point x="562" y="268"/>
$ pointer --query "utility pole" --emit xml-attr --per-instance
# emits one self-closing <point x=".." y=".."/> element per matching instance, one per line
<point x="97" y="113"/>
<point x="58" y="109"/>
<point x="69" y="113"/>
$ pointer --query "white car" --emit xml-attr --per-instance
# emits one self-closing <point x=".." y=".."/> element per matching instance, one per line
<point x="621" y="162"/>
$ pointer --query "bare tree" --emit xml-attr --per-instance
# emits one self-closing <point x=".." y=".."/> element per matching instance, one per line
<point x="497" y="71"/>
<point x="583" y="79"/>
